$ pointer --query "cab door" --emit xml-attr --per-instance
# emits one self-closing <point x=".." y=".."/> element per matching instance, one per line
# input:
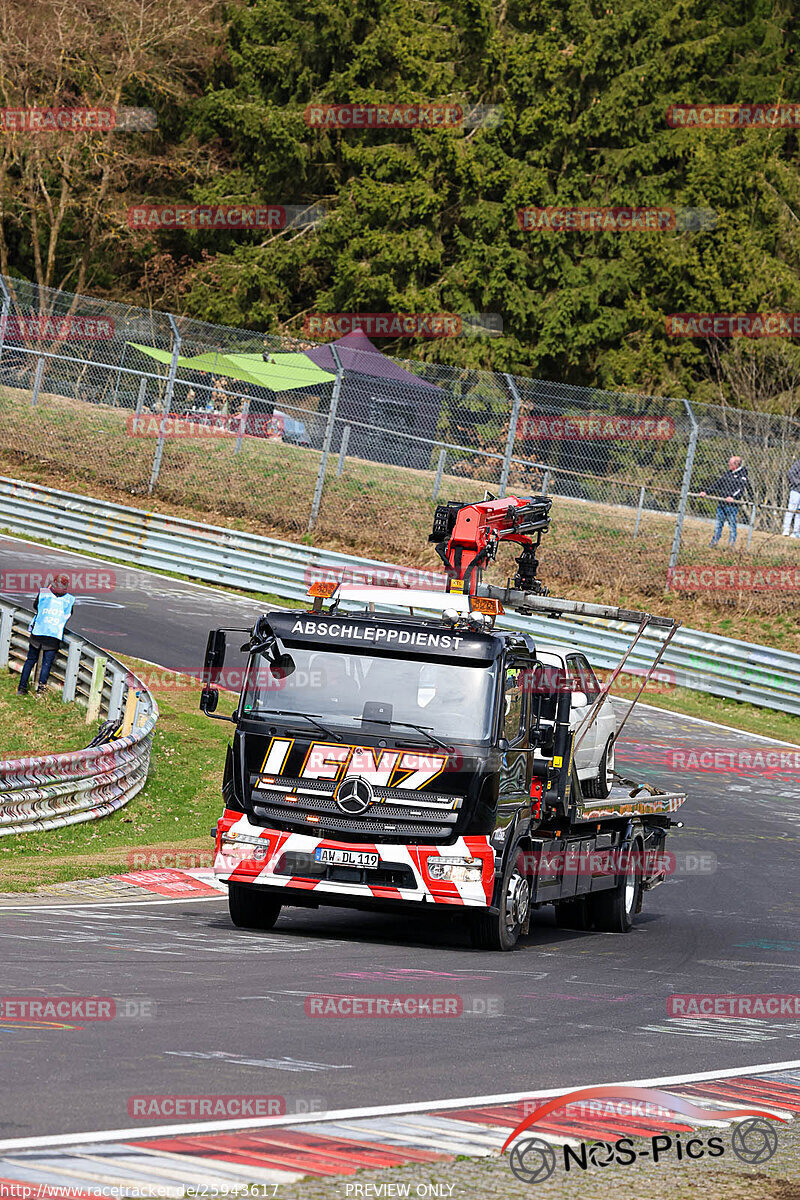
<point x="514" y="770"/>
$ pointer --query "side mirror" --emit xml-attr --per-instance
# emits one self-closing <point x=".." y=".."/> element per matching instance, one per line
<point x="209" y="698"/>
<point x="282" y="666"/>
<point x="215" y="656"/>
<point x="580" y="700"/>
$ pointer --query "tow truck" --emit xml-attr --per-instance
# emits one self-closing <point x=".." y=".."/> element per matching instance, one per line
<point x="397" y="749"/>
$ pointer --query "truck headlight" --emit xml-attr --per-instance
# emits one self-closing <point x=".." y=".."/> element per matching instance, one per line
<point x="456" y="870"/>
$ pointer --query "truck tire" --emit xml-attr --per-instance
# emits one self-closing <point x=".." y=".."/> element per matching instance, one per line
<point x="500" y="931"/>
<point x="250" y="910"/>
<point x="613" y="911"/>
<point x="600" y="787"/>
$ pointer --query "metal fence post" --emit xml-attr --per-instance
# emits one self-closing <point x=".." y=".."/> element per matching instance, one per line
<point x="326" y="445"/>
<point x="37" y="381"/>
<point x="343" y="449"/>
<point x="162" y="430"/>
<point x="545" y="481"/>
<point x="512" y="434"/>
<point x="4" y="312"/>
<point x="96" y="689"/>
<point x="753" y="515"/>
<point x="242" y="424"/>
<point x="119" y="373"/>
<point x="685" y="485"/>
<point x="6" y="630"/>
<point x="140" y="397"/>
<point x="71" y="672"/>
<point x="437" y="483"/>
<point x="642" y="490"/>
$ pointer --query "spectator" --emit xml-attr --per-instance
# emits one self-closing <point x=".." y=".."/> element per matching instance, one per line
<point x="52" y="607"/>
<point x="732" y="484"/>
<point x="789" y="526"/>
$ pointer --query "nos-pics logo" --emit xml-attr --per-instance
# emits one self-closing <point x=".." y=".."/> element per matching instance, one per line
<point x="753" y="1139"/>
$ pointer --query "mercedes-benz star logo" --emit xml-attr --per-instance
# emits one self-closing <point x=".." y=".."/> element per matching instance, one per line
<point x="354" y="795"/>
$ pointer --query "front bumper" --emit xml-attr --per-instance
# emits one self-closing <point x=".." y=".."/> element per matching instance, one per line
<point x="265" y="859"/>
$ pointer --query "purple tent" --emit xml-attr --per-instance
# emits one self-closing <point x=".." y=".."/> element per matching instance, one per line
<point x="352" y="349"/>
<point x="381" y="402"/>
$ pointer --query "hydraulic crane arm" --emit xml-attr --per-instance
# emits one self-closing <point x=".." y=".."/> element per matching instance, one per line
<point x="467" y="537"/>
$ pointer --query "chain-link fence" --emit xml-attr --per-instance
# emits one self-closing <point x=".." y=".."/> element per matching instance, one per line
<point x="287" y="436"/>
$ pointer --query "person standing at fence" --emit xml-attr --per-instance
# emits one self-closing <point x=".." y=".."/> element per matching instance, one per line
<point x="732" y="485"/>
<point x="52" y="607"/>
<point x="793" y="526"/>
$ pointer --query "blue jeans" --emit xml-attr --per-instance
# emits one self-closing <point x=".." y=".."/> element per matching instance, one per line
<point x="48" y="658"/>
<point x="725" y="512"/>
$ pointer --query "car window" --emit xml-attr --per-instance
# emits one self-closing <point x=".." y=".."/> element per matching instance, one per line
<point x="514" y="701"/>
<point x="575" y="680"/>
<point x="588" y="677"/>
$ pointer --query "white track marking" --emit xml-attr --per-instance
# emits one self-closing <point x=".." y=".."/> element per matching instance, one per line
<point x="421" y="1106"/>
<point x="103" y="904"/>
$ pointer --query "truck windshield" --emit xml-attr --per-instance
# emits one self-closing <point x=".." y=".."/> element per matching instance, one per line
<point x="454" y="701"/>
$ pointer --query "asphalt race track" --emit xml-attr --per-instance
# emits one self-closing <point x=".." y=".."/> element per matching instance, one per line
<point x="225" y="1011"/>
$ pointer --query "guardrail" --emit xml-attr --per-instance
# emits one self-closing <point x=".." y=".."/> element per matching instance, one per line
<point x="704" y="662"/>
<point x="48" y="791"/>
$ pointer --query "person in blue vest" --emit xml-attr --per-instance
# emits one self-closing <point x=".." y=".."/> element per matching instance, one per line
<point x="52" y="606"/>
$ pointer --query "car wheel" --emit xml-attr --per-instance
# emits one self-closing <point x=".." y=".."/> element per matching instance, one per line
<point x="613" y="911"/>
<point x="501" y="930"/>
<point x="599" y="788"/>
<point x="250" y="910"/>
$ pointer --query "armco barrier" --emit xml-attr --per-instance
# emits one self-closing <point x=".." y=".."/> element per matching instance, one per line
<point x="51" y="790"/>
<point x="704" y="662"/>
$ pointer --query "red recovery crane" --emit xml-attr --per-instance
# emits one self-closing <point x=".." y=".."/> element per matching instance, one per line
<point x="467" y="537"/>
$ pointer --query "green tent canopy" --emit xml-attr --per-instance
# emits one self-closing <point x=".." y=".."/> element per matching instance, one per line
<point x="285" y="373"/>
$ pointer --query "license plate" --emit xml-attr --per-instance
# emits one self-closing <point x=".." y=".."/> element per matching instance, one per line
<point x="346" y="858"/>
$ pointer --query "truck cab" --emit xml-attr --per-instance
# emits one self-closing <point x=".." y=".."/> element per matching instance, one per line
<point x="399" y="751"/>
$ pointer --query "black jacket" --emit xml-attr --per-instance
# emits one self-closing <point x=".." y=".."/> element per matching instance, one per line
<point x="731" y="483"/>
<point x="793" y="475"/>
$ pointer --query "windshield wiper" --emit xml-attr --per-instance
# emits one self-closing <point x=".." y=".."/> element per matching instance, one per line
<point x="410" y="725"/>
<point x="312" y="717"/>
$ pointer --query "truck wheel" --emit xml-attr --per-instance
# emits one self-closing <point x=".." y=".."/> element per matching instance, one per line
<point x="573" y="914"/>
<point x="600" y="787"/>
<point x="249" y="910"/>
<point x="613" y="911"/>
<point x="500" y="931"/>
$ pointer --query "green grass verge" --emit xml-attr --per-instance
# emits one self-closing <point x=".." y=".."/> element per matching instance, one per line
<point x="175" y="810"/>
<point x="34" y="724"/>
